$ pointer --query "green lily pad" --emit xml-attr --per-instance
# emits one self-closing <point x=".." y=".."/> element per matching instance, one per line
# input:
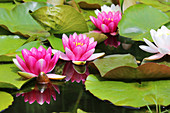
<point x="61" y="19"/>
<point x="156" y="3"/>
<point x="9" y="44"/>
<point x="138" y="20"/>
<point x="19" y="21"/>
<point x="130" y="94"/>
<point x="6" y="100"/>
<point x="9" y="75"/>
<point x="99" y="37"/>
<point x="56" y="43"/>
<point x="113" y="67"/>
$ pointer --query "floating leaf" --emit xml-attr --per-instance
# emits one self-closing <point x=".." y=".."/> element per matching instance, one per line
<point x="130" y="94"/>
<point x="6" y="100"/>
<point x="9" y="75"/>
<point x="99" y="37"/>
<point x="60" y="19"/>
<point x="19" y="21"/>
<point x="9" y="44"/>
<point x="113" y="67"/>
<point x="56" y="43"/>
<point x="138" y="20"/>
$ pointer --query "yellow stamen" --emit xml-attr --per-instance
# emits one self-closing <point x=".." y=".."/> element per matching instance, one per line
<point x="109" y="19"/>
<point x="78" y="43"/>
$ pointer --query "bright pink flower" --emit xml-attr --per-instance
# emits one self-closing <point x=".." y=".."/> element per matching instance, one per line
<point x="41" y="95"/>
<point x="79" y="48"/>
<point x="37" y="61"/>
<point x="73" y="75"/>
<point x="107" y="22"/>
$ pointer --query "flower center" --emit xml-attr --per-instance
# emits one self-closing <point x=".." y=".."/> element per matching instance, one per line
<point x="78" y="43"/>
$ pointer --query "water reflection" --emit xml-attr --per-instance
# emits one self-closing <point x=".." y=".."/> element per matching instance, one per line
<point x="41" y="93"/>
<point x="75" y="73"/>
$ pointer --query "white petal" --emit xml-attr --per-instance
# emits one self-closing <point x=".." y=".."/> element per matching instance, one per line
<point x="148" y="49"/>
<point x="55" y="51"/>
<point x="150" y="44"/>
<point x="63" y="56"/>
<point x="55" y="77"/>
<point x="17" y="64"/>
<point x="155" y="57"/>
<point x="97" y="12"/>
<point x="95" y="56"/>
<point x="163" y="50"/>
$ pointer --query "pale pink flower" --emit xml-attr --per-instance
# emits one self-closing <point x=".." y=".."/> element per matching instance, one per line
<point x="37" y="61"/>
<point x="107" y="20"/>
<point x="161" y="38"/>
<point x="79" y="48"/>
<point x="41" y="94"/>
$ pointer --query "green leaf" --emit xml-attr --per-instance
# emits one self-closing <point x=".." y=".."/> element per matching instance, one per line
<point x="113" y="67"/>
<point x="19" y="21"/>
<point x="121" y="4"/>
<point x="99" y="37"/>
<point x="139" y="19"/>
<point x="60" y="19"/>
<point x="8" y="5"/>
<point x="113" y="61"/>
<point x="56" y="43"/>
<point x="9" y="44"/>
<point x="6" y="100"/>
<point x="130" y="94"/>
<point x="156" y="3"/>
<point x="29" y="45"/>
<point x="9" y="75"/>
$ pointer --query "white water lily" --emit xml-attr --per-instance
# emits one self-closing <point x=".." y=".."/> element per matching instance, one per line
<point x="161" y="38"/>
<point x="106" y="9"/>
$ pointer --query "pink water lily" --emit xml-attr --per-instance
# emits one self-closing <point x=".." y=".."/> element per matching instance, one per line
<point x="79" y="48"/>
<point x="161" y="38"/>
<point x="41" y="94"/>
<point x="107" y="20"/>
<point x="37" y="61"/>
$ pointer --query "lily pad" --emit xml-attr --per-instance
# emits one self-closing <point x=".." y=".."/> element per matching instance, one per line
<point x="138" y="20"/>
<point x="156" y="3"/>
<point x="9" y="75"/>
<point x="99" y="37"/>
<point x="61" y="19"/>
<point x="56" y="43"/>
<point x="6" y="100"/>
<point x="130" y="94"/>
<point x="19" y="21"/>
<point x="112" y="67"/>
<point x="9" y="44"/>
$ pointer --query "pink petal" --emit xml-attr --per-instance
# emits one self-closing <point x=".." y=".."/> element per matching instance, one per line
<point x="91" y="46"/>
<point x="32" y="97"/>
<point x="68" y="71"/>
<point x="17" y="64"/>
<point x="104" y="28"/>
<point x="31" y="64"/>
<point x="25" y="54"/>
<point x="70" y="54"/>
<point x="99" y="23"/>
<point x="95" y="56"/>
<point x="47" y="94"/>
<point x="22" y="64"/>
<point x="65" y="40"/>
<point x="47" y="59"/>
<point x="112" y="27"/>
<point x="87" y="55"/>
<point x="93" y="20"/>
<point x="64" y="56"/>
<point x="53" y="62"/>
<point x="155" y="57"/>
<point x="49" y="50"/>
<point x="34" y="51"/>
<point x="40" y="65"/>
<point x="56" y="88"/>
<point x="40" y="98"/>
<point x="78" y="52"/>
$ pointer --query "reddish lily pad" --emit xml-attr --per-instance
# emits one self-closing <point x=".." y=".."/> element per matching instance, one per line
<point x="113" y="67"/>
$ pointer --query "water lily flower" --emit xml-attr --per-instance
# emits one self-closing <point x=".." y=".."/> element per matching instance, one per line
<point x="107" y="20"/>
<point x="161" y="38"/>
<point x="79" y="48"/>
<point x="40" y="94"/>
<point x="37" y="61"/>
<point x="73" y="75"/>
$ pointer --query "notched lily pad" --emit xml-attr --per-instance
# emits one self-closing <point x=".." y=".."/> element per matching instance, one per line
<point x="117" y="67"/>
<point x="60" y="19"/>
<point x="6" y="100"/>
<point x="19" y="21"/>
<point x="130" y="94"/>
